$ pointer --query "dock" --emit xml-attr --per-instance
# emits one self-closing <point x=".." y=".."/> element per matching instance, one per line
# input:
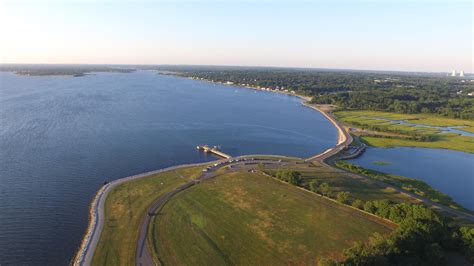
<point x="213" y="150"/>
<point x="356" y="153"/>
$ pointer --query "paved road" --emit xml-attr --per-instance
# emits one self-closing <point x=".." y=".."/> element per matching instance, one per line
<point x="89" y="243"/>
<point x="85" y="255"/>
<point x="345" y="139"/>
<point x="143" y="256"/>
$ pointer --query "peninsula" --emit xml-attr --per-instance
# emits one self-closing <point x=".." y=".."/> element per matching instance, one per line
<point x="153" y="233"/>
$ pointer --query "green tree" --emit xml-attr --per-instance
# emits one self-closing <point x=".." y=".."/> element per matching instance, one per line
<point x="325" y="189"/>
<point x="342" y="196"/>
<point x="357" y="204"/>
<point x="434" y="254"/>
<point x="294" y="177"/>
<point x="369" y="207"/>
<point x="313" y="186"/>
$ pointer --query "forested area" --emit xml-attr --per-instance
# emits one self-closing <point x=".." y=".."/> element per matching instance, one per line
<point x="383" y="91"/>
<point x="62" y="70"/>
<point x="422" y="238"/>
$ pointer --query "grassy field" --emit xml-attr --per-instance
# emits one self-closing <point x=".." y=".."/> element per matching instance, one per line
<point x="359" y="188"/>
<point x="248" y="218"/>
<point x="391" y="134"/>
<point x="409" y="184"/>
<point x="124" y="210"/>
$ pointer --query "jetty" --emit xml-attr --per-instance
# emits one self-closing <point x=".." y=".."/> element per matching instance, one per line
<point x="354" y="153"/>
<point x="214" y="150"/>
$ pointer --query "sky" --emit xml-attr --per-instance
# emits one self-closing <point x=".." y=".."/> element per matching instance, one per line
<point x="432" y="36"/>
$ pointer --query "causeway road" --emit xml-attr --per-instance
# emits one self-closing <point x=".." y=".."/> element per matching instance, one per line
<point x="143" y="257"/>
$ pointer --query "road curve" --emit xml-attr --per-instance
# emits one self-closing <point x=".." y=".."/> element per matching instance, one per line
<point x="345" y="139"/>
<point x="143" y="258"/>
<point x="86" y="251"/>
<point x="89" y="243"/>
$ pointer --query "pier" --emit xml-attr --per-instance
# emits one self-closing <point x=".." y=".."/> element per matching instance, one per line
<point x="354" y="154"/>
<point x="214" y="150"/>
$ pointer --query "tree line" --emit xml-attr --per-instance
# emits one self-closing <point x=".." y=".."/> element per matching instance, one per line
<point x="381" y="91"/>
<point x="422" y="237"/>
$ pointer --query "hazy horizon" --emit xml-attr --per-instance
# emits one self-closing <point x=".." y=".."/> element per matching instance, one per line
<point x="411" y="36"/>
<point x="237" y="66"/>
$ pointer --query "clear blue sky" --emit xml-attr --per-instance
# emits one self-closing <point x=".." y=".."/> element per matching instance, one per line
<point x="382" y="35"/>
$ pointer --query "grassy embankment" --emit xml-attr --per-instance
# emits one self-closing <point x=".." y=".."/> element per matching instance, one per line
<point x="249" y="218"/>
<point x="124" y="209"/>
<point x="380" y="133"/>
<point x="409" y="184"/>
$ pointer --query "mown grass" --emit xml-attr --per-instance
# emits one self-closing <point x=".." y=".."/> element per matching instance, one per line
<point x="251" y="219"/>
<point x="124" y="209"/>
<point x="385" y="136"/>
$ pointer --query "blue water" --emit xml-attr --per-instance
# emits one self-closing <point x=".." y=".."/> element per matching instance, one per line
<point x="451" y="172"/>
<point x="62" y="137"/>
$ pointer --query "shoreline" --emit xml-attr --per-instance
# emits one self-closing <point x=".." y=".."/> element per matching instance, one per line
<point x="82" y="257"/>
<point x="90" y="240"/>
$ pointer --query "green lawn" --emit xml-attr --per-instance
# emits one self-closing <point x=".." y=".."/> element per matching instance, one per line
<point x="248" y="218"/>
<point x="385" y="136"/>
<point x="124" y="210"/>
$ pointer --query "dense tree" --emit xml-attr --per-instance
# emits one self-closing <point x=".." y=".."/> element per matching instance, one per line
<point x="325" y="189"/>
<point x="292" y="177"/>
<point x="358" y="204"/>
<point x="369" y="207"/>
<point x="313" y="185"/>
<point x="393" y="92"/>
<point x="422" y="238"/>
<point x="342" y="196"/>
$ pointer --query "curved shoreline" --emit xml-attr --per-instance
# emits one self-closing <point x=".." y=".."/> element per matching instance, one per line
<point x="86" y="251"/>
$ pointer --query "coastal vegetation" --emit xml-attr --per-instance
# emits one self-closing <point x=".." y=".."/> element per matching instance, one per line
<point x="330" y="182"/>
<point x="125" y="208"/>
<point x="383" y="129"/>
<point x="289" y="214"/>
<point x="62" y="70"/>
<point x="422" y="238"/>
<point x="395" y="92"/>
<point x="409" y="184"/>
<point x="250" y="218"/>
<point x="283" y="215"/>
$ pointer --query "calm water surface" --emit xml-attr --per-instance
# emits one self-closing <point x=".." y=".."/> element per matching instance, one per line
<point x="451" y="172"/>
<point x="61" y="137"/>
